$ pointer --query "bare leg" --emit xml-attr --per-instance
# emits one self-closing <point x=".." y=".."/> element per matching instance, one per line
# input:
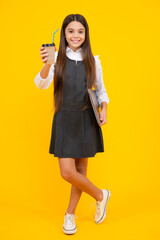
<point x="81" y="166"/>
<point x="70" y="174"/>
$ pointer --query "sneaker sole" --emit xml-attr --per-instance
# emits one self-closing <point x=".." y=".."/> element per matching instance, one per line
<point x="70" y="231"/>
<point x="105" y="209"/>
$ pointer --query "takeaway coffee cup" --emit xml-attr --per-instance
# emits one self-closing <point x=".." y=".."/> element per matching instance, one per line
<point x="51" y="52"/>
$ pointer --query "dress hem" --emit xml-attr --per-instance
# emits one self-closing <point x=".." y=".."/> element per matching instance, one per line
<point x="75" y="156"/>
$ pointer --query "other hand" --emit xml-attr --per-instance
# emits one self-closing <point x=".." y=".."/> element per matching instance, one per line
<point x="103" y="117"/>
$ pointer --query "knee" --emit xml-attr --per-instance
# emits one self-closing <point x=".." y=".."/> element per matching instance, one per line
<point x="67" y="174"/>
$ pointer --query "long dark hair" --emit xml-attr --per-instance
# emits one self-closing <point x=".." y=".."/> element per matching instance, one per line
<point x="88" y="58"/>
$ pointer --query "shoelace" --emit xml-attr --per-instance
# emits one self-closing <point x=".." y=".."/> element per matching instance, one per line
<point x="98" y="207"/>
<point x="70" y="217"/>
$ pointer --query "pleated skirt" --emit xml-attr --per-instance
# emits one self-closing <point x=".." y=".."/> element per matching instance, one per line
<point x="75" y="133"/>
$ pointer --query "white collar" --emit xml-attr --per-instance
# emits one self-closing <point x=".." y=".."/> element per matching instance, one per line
<point x="74" y="55"/>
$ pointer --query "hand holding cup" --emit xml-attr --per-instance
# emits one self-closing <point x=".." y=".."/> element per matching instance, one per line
<point x="44" y="54"/>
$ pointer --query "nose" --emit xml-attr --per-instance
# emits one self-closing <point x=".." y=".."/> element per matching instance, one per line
<point x="75" y="35"/>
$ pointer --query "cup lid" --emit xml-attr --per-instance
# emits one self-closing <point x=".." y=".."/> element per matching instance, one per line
<point x="48" y="45"/>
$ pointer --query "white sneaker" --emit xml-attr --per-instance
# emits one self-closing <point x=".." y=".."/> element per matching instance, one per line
<point x="101" y="208"/>
<point x="69" y="226"/>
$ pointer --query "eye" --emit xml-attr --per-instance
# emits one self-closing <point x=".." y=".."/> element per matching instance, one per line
<point x="70" y="31"/>
<point x="81" y="31"/>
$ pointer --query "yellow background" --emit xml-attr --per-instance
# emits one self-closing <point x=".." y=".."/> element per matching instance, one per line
<point x="33" y="196"/>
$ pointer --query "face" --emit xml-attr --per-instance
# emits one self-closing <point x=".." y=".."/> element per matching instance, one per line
<point x="75" y="35"/>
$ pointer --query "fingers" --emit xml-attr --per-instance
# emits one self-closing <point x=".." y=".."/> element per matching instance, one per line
<point x="101" y="118"/>
<point x="102" y="122"/>
<point x="44" y="54"/>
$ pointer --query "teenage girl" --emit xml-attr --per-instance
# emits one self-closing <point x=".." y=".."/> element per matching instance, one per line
<point x="76" y="134"/>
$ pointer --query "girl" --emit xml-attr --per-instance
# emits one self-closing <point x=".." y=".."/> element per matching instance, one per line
<point x="75" y="133"/>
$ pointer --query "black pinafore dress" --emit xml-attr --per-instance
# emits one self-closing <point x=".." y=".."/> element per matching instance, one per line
<point x="75" y="132"/>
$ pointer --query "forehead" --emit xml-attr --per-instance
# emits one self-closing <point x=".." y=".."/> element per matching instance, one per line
<point x="75" y="25"/>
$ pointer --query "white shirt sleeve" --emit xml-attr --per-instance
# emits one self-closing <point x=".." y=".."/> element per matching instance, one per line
<point x="44" y="83"/>
<point x="99" y="85"/>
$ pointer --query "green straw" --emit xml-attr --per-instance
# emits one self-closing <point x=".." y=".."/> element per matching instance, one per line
<point x="54" y="34"/>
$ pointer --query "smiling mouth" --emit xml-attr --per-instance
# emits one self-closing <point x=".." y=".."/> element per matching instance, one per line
<point x="75" y="41"/>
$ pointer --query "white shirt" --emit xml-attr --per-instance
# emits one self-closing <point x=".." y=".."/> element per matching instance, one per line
<point x="101" y="93"/>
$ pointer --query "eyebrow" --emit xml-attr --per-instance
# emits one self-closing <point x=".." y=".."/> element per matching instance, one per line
<point x="78" y="29"/>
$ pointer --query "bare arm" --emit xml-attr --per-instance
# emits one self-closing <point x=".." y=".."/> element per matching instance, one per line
<point x="45" y="70"/>
<point x="104" y="106"/>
